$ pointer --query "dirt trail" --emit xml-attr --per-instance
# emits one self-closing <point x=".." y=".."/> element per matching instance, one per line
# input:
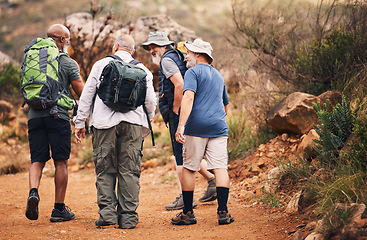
<point x="158" y="188"/>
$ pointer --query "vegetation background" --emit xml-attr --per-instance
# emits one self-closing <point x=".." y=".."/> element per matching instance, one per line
<point x="308" y="46"/>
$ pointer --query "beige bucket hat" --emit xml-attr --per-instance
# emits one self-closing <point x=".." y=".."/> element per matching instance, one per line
<point x="157" y="38"/>
<point x="200" y="46"/>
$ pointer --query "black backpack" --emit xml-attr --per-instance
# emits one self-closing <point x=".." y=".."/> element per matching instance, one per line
<point x="123" y="86"/>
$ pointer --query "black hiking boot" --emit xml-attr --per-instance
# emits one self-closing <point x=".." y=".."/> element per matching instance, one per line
<point x="32" y="206"/>
<point x="61" y="216"/>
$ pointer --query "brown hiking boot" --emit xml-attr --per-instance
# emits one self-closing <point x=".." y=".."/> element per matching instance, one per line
<point x="184" y="219"/>
<point x="224" y="218"/>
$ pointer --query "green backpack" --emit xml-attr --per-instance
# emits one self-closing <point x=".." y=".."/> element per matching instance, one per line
<point x="40" y="79"/>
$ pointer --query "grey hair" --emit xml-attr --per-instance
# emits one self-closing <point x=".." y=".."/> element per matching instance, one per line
<point x="126" y="42"/>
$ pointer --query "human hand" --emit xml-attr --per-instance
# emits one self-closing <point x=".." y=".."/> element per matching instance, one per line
<point x="175" y="109"/>
<point x="180" y="137"/>
<point x="79" y="134"/>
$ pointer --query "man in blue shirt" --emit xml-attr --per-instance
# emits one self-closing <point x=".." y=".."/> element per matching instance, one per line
<point x="203" y="130"/>
<point x="171" y="72"/>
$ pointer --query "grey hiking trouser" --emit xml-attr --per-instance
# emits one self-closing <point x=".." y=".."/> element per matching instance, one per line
<point x="117" y="156"/>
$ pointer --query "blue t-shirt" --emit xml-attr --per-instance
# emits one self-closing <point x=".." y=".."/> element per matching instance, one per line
<point x="207" y="118"/>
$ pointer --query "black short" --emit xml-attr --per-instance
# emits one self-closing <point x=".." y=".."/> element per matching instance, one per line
<point x="47" y="132"/>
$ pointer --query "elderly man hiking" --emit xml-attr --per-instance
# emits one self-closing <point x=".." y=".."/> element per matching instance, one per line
<point x="116" y="134"/>
<point x="171" y="72"/>
<point x="202" y="130"/>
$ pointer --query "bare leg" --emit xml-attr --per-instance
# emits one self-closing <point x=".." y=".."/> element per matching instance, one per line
<point x="35" y="174"/>
<point x="210" y="193"/>
<point x="204" y="171"/>
<point x="61" y="180"/>
<point x="179" y="176"/>
<point x="221" y="177"/>
<point x="188" y="180"/>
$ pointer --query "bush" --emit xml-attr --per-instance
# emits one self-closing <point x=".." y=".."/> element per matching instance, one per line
<point x="333" y="128"/>
<point x="357" y="150"/>
<point x="332" y="62"/>
<point x="10" y="75"/>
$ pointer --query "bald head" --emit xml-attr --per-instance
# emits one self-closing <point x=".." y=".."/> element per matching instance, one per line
<point x="125" y="43"/>
<point x="58" y="30"/>
<point x="60" y="34"/>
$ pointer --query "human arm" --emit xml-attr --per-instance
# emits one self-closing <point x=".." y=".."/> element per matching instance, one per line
<point x="178" y="82"/>
<point x="186" y="107"/>
<point x="86" y="101"/>
<point x="225" y="99"/>
<point x="78" y="86"/>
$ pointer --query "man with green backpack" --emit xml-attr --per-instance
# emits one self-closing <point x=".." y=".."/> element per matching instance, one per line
<point x="47" y="74"/>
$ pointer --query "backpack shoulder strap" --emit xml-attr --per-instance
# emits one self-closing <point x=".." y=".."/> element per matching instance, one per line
<point x="135" y="62"/>
<point x="115" y="57"/>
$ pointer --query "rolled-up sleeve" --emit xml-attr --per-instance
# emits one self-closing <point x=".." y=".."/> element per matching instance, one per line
<point x="87" y="98"/>
<point x="150" y="99"/>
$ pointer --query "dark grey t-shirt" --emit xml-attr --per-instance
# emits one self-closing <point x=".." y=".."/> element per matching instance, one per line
<point x="169" y="67"/>
<point x="68" y="71"/>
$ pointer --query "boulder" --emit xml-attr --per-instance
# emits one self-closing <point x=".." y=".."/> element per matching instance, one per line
<point x="305" y="148"/>
<point x="294" y="204"/>
<point x="294" y="114"/>
<point x="273" y="181"/>
<point x="315" y="236"/>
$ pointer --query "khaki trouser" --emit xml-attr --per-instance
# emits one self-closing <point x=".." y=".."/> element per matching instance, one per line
<point x="117" y="157"/>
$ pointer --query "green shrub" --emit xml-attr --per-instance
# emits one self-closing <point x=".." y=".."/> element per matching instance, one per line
<point x="9" y="80"/>
<point x="331" y="63"/>
<point x="333" y="128"/>
<point x="357" y="150"/>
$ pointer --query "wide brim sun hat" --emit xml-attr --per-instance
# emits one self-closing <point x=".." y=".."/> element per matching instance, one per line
<point x="157" y="38"/>
<point x="200" y="46"/>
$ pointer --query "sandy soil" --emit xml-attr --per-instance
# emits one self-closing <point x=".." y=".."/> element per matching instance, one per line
<point x="158" y="188"/>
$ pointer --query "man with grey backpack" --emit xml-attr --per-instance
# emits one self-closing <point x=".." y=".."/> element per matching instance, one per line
<point x="47" y="75"/>
<point x="118" y="122"/>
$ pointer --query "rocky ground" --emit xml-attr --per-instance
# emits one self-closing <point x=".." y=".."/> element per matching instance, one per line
<point x="253" y="221"/>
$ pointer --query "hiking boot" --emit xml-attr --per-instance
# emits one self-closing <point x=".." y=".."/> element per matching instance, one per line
<point x="209" y="195"/>
<point x="179" y="204"/>
<point x="102" y="223"/>
<point x="224" y="218"/>
<point x="184" y="219"/>
<point x="32" y="206"/>
<point x="61" y="216"/>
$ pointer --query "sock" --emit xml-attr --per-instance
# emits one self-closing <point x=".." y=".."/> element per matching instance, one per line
<point x="222" y="198"/>
<point x="187" y="198"/>
<point x="59" y="206"/>
<point x="211" y="182"/>
<point x="33" y="190"/>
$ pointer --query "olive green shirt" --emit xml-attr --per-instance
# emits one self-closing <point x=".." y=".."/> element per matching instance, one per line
<point x="68" y="72"/>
